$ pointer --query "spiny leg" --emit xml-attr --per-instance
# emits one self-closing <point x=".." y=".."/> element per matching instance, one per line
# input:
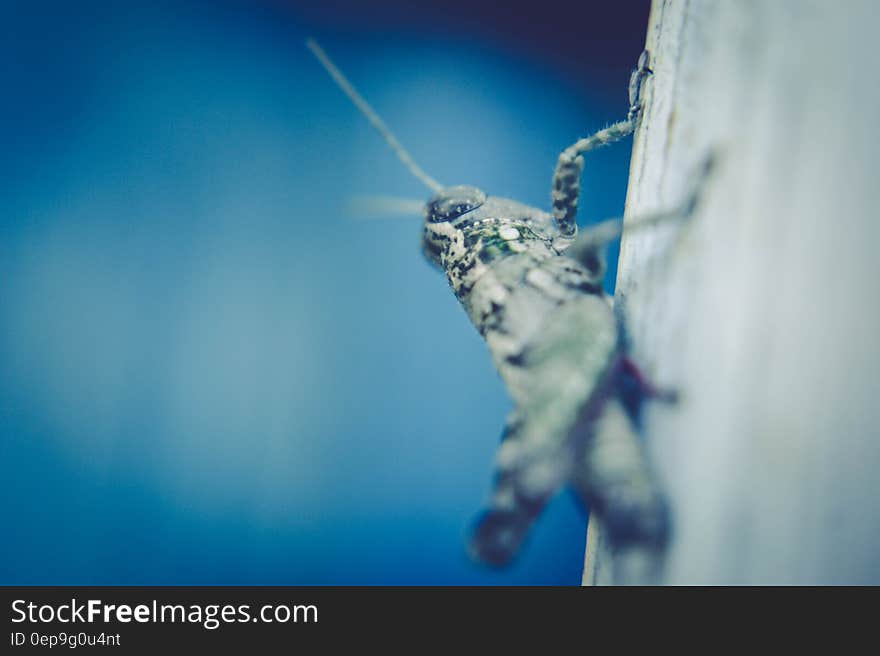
<point x="566" y="178"/>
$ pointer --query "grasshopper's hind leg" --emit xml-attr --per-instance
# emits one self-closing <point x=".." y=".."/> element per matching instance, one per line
<point x="604" y="462"/>
<point x="612" y="477"/>
<point x="525" y="479"/>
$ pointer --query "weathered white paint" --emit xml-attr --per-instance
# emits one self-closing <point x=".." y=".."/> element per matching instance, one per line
<point x="764" y="310"/>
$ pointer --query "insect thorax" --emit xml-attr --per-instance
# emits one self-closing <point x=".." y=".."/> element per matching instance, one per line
<point x="504" y="262"/>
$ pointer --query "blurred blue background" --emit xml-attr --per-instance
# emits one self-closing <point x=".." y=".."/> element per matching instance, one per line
<point x="210" y="373"/>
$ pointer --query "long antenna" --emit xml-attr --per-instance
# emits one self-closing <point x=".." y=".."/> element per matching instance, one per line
<point x="372" y="117"/>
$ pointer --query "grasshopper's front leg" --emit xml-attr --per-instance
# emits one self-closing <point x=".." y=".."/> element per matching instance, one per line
<point x="566" y="179"/>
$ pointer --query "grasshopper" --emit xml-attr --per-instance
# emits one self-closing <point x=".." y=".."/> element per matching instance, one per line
<point x="533" y="289"/>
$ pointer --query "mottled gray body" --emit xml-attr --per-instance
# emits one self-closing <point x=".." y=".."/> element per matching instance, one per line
<point x="553" y="337"/>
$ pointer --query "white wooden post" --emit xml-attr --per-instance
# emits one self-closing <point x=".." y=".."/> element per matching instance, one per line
<point x="763" y="310"/>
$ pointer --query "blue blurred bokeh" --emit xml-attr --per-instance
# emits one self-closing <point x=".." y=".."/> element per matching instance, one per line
<point x="210" y="373"/>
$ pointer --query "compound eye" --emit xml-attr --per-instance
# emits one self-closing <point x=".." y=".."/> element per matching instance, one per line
<point x="452" y="202"/>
